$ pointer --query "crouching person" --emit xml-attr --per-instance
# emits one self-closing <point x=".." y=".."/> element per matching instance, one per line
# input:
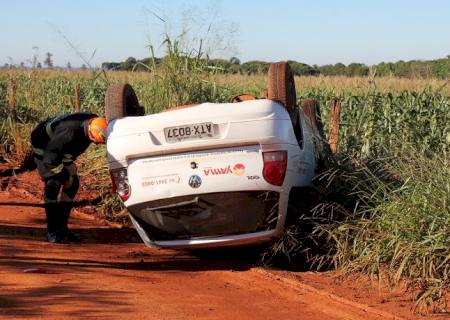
<point x="57" y="142"/>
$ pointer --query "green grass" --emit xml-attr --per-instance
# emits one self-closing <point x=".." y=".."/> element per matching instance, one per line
<point x="390" y="218"/>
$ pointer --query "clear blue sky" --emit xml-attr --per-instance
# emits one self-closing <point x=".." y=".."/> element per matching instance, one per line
<point x="310" y="31"/>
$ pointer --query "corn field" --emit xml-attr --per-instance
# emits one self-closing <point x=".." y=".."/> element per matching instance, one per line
<point x="370" y="118"/>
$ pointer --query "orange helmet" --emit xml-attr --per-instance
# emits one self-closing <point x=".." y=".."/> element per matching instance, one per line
<point x="97" y="129"/>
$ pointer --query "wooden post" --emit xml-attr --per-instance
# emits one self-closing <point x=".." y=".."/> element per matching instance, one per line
<point x="11" y="95"/>
<point x="263" y="94"/>
<point x="335" y="117"/>
<point x="77" y="98"/>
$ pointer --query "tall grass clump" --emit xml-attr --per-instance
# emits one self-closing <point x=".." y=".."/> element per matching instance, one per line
<point x="15" y="129"/>
<point x="3" y="91"/>
<point x="394" y="222"/>
<point x="388" y="217"/>
<point x="184" y="76"/>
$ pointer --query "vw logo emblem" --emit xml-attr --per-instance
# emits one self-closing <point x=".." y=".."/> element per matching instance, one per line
<point x="195" y="181"/>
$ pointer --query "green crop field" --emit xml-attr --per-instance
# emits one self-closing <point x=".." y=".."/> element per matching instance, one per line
<point x="374" y="114"/>
<point x="383" y="205"/>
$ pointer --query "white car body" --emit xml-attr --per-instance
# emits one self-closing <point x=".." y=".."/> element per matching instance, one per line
<point x="231" y="203"/>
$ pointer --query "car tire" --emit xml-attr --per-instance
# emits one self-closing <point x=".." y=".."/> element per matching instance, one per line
<point x="121" y="101"/>
<point x="311" y="110"/>
<point x="281" y="86"/>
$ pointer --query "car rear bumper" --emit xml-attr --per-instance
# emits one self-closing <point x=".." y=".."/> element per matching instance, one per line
<point x="211" y="220"/>
<point x="210" y="242"/>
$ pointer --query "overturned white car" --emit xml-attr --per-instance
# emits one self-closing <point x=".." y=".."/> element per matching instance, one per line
<point x="212" y="175"/>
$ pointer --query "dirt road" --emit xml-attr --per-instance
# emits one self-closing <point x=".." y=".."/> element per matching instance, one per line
<point x="112" y="275"/>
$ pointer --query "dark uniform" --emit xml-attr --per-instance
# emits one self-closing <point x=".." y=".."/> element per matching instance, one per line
<point x="57" y="142"/>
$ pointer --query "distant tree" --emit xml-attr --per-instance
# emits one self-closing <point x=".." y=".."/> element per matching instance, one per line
<point x="35" y="56"/>
<point x="415" y="68"/>
<point x="302" y="69"/>
<point x="235" y="68"/>
<point x="110" y="65"/>
<point x="69" y="66"/>
<point x="327" y="70"/>
<point x="384" y="69"/>
<point x="22" y="64"/>
<point x="357" y="69"/>
<point x="39" y="65"/>
<point x="401" y="69"/>
<point x="128" y="64"/>
<point x="10" y="61"/>
<point x="252" y="67"/>
<point x="420" y="69"/>
<point x="234" y="60"/>
<point x="339" y="68"/>
<point x="48" y="60"/>
<point x="441" y="68"/>
<point x="83" y="67"/>
<point x="220" y="65"/>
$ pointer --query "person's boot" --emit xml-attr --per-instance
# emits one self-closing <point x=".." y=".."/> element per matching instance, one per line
<point x="66" y="208"/>
<point x="53" y="234"/>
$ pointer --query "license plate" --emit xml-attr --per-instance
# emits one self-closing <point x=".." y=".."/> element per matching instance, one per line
<point x="190" y="132"/>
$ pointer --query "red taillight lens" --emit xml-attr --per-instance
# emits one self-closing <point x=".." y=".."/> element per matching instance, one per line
<point x="275" y="164"/>
<point x="120" y="185"/>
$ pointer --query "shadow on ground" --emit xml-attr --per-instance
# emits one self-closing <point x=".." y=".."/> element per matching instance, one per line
<point x="130" y="252"/>
<point x="60" y="297"/>
<point x="88" y="235"/>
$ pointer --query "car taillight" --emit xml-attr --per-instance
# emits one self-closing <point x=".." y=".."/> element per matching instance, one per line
<point x="275" y="164"/>
<point x="120" y="185"/>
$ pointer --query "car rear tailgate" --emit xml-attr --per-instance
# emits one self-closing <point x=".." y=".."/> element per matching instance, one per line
<point x="196" y="172"/>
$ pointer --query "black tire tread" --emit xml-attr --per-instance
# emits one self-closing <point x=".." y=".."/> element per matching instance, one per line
<point x="121" y="101"/>
<point x="311" y="109"/>
<point x="281" y="86"/>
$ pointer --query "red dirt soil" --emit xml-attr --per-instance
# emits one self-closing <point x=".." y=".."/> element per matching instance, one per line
<point x="111" y="274"/>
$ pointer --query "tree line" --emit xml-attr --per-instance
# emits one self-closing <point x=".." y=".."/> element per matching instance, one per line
<point x="34" y="63"/>
<point x="439" y="68"/>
